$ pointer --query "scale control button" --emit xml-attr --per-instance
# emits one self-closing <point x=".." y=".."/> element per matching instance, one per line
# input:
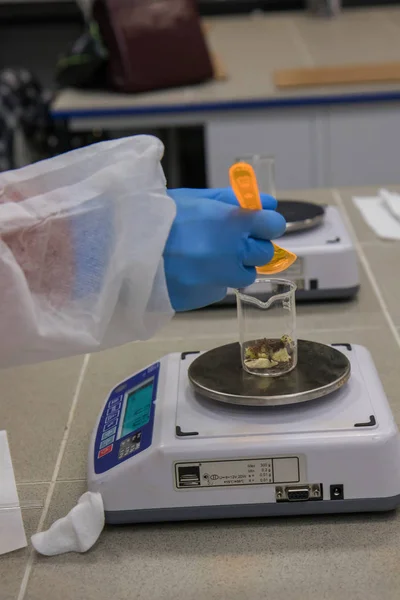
<point x="129" y="445"/>
<point x="115" y="401"/>
<point x="110" y="422"/>
<point x="109" y="432"/>
<point x="125" y="452"/>
<point x="106" y="442"/>
<point x="110" y="418"/>
<point x="114" y="414"/>
<point x="105" y="451"/>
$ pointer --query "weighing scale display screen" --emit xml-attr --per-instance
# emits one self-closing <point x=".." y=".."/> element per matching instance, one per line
<point x="138" y="407"/>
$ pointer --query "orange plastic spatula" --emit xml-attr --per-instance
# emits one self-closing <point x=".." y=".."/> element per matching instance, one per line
<point x="244" y="184"/>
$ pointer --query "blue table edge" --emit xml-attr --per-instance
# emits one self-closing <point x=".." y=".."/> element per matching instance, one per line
<point x="242" y="105"/>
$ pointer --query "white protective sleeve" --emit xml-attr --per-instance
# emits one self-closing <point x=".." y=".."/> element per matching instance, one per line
<point x="81" y="244"/>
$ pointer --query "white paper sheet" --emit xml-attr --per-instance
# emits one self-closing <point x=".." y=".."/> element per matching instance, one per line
<point x="391" y="201"/>
<point x="12" y="532"/>
<point x="379" y="218"/>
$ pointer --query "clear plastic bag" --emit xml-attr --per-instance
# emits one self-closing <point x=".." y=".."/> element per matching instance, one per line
<point x="81" y="243"/>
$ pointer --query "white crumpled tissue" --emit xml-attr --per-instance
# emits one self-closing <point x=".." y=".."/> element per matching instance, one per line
<point x="381" y="213"/>
<point x="77" y="532"/>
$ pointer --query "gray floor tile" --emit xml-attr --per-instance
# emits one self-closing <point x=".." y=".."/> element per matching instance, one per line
<point x="328" y="558"/>
<point x="34" y="407"/>
<point x="384" y="261"/>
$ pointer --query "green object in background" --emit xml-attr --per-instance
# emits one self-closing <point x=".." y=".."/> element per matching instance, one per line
<point x="85" y="63"/>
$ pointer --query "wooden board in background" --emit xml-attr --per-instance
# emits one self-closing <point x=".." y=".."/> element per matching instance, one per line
<point x="220" y="72"/>
<point x="338" y="75"/>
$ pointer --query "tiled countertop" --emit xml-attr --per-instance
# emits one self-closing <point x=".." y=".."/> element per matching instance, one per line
<point x="49" y="412"/>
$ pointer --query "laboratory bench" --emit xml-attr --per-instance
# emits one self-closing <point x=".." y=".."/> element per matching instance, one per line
<point x="50" y="410"/>
<point x="320" y="136"/>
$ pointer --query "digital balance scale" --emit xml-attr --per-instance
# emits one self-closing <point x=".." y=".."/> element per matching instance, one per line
<point x="193" y="436"/>
<point x="326" y="268"/>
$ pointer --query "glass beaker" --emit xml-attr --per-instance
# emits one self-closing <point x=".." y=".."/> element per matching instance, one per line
<point x="264" y="168"/>
<point x="267" y="327"/>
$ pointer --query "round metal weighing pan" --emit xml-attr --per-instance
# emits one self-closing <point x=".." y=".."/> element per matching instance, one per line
<point x="301" y="215"/>
<point x="218" y="375"/>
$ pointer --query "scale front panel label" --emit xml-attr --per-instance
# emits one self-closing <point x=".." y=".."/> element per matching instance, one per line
<point x="240" y="472"/>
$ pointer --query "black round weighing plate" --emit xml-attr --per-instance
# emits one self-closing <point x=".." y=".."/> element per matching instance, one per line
<point x="300" y="215"/>
<point x="218" y="375"/>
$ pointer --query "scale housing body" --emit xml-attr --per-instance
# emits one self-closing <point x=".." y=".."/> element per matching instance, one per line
<point x="192" y="458"/>
<point x="326" y="268"/>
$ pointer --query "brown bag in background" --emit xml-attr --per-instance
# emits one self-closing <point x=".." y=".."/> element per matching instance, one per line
<point x="153" y="44"/>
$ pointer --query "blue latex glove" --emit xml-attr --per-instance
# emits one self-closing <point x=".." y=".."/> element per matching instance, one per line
<point x="213" y="244"/>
